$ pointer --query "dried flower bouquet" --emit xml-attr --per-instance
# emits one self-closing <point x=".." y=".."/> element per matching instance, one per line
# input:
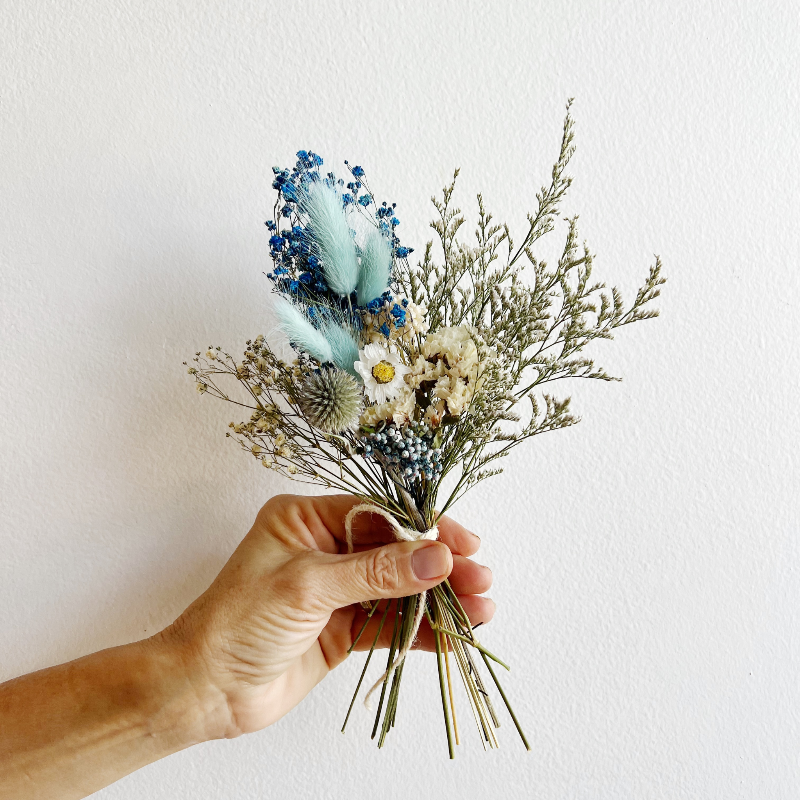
<point x="406" y="376"/>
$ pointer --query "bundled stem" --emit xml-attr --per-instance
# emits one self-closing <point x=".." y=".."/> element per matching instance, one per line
<point x="452" y="633"/>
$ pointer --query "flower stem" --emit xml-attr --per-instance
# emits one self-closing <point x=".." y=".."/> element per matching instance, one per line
<point x="505" y="700"/>
<point x="476" y="645"/>
<point x="363" y="627"/>
<point x="444" y="693"/>
<point x="450" y="689"/>
<point x="366" y="663"/>
<point x="392" y="649"/>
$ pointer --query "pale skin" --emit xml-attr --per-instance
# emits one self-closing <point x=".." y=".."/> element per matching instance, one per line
<point x="281" y="614"/>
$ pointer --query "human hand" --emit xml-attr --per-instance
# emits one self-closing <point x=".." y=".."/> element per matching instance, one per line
<point x="283" y="611"/>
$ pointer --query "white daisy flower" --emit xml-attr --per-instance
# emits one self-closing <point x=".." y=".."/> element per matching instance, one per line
<point x="382" y="371"/>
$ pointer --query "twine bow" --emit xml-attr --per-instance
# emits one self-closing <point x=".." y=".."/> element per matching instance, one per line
<point x="402" y="535"/>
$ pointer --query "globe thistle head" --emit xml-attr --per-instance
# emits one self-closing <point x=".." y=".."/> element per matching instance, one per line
<point x="331" y="400"/>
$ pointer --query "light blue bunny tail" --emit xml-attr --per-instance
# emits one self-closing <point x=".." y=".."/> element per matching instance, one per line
<point x="376" y="267"/>
<point x="343" y="346"/>
<point x="331" y="236"/>
<point x="301" y="332"/>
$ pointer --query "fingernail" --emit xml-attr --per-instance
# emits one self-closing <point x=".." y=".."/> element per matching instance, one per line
<point x="430" y="562"/>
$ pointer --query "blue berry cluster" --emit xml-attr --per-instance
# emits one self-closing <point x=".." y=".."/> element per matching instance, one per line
<point x="410" y="449"/>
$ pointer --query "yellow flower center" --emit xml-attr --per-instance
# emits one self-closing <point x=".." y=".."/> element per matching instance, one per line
<point x="383" y="372"/>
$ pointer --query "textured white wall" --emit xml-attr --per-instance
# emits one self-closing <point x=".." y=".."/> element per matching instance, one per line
<point x="645" y="561"/>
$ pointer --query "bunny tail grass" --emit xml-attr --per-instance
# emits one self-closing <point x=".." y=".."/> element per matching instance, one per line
<point x="331" y="236"/>
<point x="376" y="267"/>
<point x="344" y="350"/>
<point x="301" y="332"/>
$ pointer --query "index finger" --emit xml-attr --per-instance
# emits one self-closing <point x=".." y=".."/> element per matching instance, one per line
<point x="457" y="537"/>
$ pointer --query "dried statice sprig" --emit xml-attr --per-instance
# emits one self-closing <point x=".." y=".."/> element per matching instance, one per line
<point x="535" y="324"/>
<point x="406" y="375"/>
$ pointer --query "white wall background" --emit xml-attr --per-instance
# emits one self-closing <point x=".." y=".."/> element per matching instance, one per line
<point x="651" y="608"/>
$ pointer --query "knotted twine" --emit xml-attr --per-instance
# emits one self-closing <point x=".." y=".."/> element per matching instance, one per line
<point x="402" y="535"/>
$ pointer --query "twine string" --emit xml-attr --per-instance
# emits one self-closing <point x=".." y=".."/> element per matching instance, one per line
<point x="402" y="535"/>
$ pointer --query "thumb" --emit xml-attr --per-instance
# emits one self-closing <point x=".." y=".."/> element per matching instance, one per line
<point x="393" y="570"/>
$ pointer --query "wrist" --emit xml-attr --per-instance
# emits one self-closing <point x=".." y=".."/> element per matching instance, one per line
<point x="79" y="726"/>
<point x="187" y="705"/>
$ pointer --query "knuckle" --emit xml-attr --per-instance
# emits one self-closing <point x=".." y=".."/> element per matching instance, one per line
<point x="293" y="588"/>
<point x="275" y="506"/>
<point x="282" y="516"/>
<point x="297" y="592"/>
<point x="381" y="573"/>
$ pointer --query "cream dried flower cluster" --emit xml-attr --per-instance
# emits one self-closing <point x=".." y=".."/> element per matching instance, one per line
<point x="440" y="381"/>
<point x="449" y="369"/>
<point x="405" y="378"/>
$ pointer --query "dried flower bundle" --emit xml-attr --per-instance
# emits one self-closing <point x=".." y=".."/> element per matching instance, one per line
<point x="405" y="376"/>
